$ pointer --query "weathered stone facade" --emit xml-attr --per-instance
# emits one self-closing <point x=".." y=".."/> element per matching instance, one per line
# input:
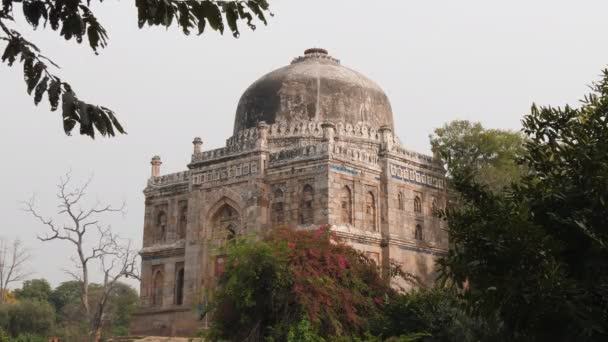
<point x="313" y="144"/>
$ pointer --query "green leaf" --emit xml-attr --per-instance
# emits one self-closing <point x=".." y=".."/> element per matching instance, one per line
<point x="12" y="50"/>
<point x="54" y="92"/>
<point x="255" y="8"/>
<point x="110" y="114"/>
<point x="245" y="15"/>
<point x="40" y="89"/>
<point x="87" y="117"/>
<point x="33" y="76"/>
<point x="185" y="17"/>
<point x="70" y="117"/>
<point x="232" y="16"/>
<point x="213" y="15"/>
<point x="33" y="11"/>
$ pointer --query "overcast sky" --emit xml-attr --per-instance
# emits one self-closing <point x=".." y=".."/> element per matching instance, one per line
<point x="485" y="61"/>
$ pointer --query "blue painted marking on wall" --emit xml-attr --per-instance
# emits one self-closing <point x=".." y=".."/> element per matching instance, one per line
<point x="343" y="169"/>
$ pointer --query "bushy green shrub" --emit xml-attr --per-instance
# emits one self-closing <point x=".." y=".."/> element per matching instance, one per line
<point x="303" y="332"/>
<point x="35" y="290"/>
<point x="4" y="336"/>
<point x="5" y="319"/>
<point x="28" y="338"/>
<point x="30" y="317"/>
<point x="439" y="312"/>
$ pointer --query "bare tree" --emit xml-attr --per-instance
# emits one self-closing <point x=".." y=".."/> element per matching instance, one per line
<point x="92" y="243"/>
<point x="13" y="257"/>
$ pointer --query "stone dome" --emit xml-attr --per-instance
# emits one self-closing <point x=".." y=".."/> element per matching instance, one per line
<point x="314" y="87"/>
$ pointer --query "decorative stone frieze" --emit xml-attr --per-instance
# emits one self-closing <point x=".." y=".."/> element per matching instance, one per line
<point x="407" y="174"/>
<point x="225" y="173"/>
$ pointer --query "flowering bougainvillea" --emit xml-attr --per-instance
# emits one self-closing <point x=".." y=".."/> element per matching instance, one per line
<point x="333" y="283"/>
<point x="272" y="283"/>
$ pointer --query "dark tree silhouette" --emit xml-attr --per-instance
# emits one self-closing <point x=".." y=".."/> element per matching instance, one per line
<point x="74" y="20"/>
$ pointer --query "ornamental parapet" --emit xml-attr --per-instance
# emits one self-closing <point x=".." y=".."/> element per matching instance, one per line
<point x="347" y="151"/>
<point x="414" y="156"/>
<point x="248" y="140"/>
<point x="224" y="152"/>
<point x="305" y="129"/>
<point x="182" y="177"/>
<point x="303" y="152"/>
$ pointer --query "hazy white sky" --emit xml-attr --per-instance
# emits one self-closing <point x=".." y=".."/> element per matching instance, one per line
<point x="438" y="61"/>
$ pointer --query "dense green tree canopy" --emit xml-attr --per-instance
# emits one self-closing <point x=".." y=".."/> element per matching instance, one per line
<point x="40" y="311"/>
<point x="74" y="20"/>
<point x="489" y="155"/>
<point x="67" y="292"/>
<point x="536" y="254"/>
<point x="34" y="317"/>
<point x="440" y="313"/>
<point x="122" y="302"/>
<point x="35" y="289"/>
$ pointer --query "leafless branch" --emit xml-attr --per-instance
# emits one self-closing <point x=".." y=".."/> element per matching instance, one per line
<point x="13" y="259"/>
<point x="116" y="261"/>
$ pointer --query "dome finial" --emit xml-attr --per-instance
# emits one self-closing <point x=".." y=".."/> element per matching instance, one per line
<point x="315" y="50"/>
<point x="315" y="54"/>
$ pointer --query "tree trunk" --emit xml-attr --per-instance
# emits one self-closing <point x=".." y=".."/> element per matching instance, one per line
<point x="96" y="335"/>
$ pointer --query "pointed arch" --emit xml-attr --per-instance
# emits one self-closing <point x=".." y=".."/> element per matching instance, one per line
<point x="400" y="201"/>
<point x="278" y="208"/>
<point x="417" y="204"/>
<point x="346" y="205"/>
<point x="183" y="220"/>
<point x="158" y="280"/>
<point x="160" y="233"/>
<point x="306" y="205"/>
<point x="225" y="223"/>
<point x="224" y="200"/>
<point x="370" y="211"/>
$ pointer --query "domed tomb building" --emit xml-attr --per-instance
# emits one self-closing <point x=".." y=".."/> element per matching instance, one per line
<point x="313" y="144"/>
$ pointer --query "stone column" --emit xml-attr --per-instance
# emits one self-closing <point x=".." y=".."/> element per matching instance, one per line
<point x="386" y="137"/>
<point x="262" y="144"/>
<point x="329" y="131"/>
<point x="262" y="141"/>
<point x="155" y="162"/>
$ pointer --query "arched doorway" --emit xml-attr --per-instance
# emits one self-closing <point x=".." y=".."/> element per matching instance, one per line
<point x="225" y="224"/>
